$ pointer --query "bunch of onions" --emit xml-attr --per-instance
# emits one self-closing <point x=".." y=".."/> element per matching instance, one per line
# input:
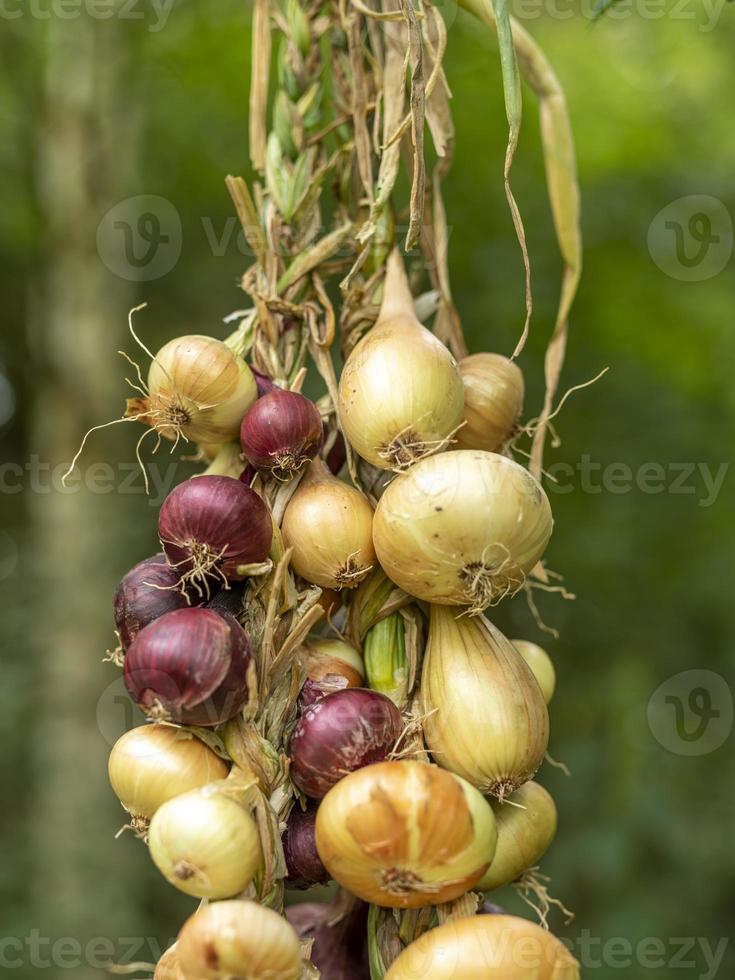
<point x="150" y="589"/>
<point x="329" y="526"/>
<point x="205" y="843"/>
<point x="485" y="717"/>
<point x="400" y="393"/>
<point x="526" y="824"/>
<point x="340" y="733"/>
<point x="494" y="947"/>
<point x="405" y="834"/>
<point x="540" y="663"/>
<point x="238" y="940"/>
<point x="493" y="401"/>
<point x="462" y="528"/>
<point x="281" y="432"/>
<point x="152" y="764"/>
<point x="189" y="666"/>
<point x="330" y="665"/>
<point x="197" y="388"/>
<point x="339" y="937"/>
<point x="303" y="863"/>
<point x="214" y="526"/>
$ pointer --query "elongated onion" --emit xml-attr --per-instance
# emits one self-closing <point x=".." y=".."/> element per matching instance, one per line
<point x="493" y="401"/>
<point x="329" y="526"/>
<point x="462" y="528"/>
<point x="400" y="394"/>
<point x="540" y="663"/>
<point x="152" y="764"/>
<point x="485" y="715"/>
<point x="405" y="834"/>
<point x="205" y="843"/>
<point x="486" y="947"/>
<point x="238" y="940"/>
<point x="526" y="827"/>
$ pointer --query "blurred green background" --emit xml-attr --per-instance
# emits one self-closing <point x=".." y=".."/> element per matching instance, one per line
<point x="153" y="100"/>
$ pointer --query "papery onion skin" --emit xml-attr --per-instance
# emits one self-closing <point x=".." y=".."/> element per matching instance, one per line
<point x="330" y="665"/>
<point x="281" y="432"/>
<point x="342" y="732"/>
<point x="340" y="949"/>
<point x="526" y="827"/>
<point x="462" y="528"/>
<point x="238" y="939"/>
<point x="405" y="834"/>
<point x="151" y="764"/>
<point x="485" y="717"/>
<point x="493" y="401"/>
<point x="168" y="967"/>
<point x="205" y="844"/>
<point x="190" y="667"/>
<point x="146" y="592"/>
<point x="540" y="663"/>
<point x="305" y="868"/>
<point x="491" y="947"/>
<point x="199" y="388"/>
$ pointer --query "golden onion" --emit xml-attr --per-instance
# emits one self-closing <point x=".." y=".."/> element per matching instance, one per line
<point x="238" y="940"/>
<point x="400" y="393"/>
<point x="485" y="717"/>
<point x="405" y="834"/>
<point x="486" y="947"/>
<point x="526" y="827"/>
<point x="462" y="528"/>
<point x="493" y="401"/>
<point x="324" y="657"/>
<point x="540" y="663"/>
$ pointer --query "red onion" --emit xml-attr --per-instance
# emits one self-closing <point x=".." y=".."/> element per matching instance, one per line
<point x="281" y="432"/>
<point x="340" y="949"/>
<point x="340" y="733"/>
<point x="190" y="667"/>
<point x="304" y="865"/>
<point x="211" y="527"/>
<point x="265" y="384"/>
<point x="149" y="590"/>
<point x="334" y="450"/>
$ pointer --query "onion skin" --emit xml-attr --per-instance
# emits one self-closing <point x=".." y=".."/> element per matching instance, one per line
<point x="485" y="717"/>
<point x="238" y="939"/>
<point x="491" y="947"/>
<point x="405" y="834"/>
<point x="168" y="967"/>
<point x="305" y="867"/>
<point x="526" y="827"/>
<point x="462" y="528"/>
<point x="330" y="665"/>
<point x="151" y="764"/>
<point x="493" y="401"/>
<point x="340" y="950"/>
<point x="340" y="733"/>
<point x="190" y="667"/>
<point x="540" y="663"/>
<point x="146" y="592"/>
<point x="281" y="432"/>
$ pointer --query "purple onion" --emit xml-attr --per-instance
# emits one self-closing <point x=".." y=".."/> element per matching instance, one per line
<point x="281" y="432"/>
<point x="340" y="950"/>
<point x="334" y="450"/>
<point x="189" y="667"/>
<point x="149" y="590"/>
<point x="304" y="865"/>
<point x="265" y="384"/>
<point x="342" y="732"/>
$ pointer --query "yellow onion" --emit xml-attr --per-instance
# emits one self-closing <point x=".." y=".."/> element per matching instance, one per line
<point x="400" y="393"/>
<point x="405" y="834"/>
<point x="168" y="967"/>
<point x="493" y="401"/>
<point x="540" y="663"/>
<point x="238" y="940"/>
<point x="197" y="388"/>
<point x="205" y="843"/>
<point x="152" y="764"/>
<point x="486" y="947"/>
<point x="485" y="716"/>
<point x="462" y="528"/>
<point x="526" y="827"/>
<point x="329" y="526"/>
<point x="330" y="665"/>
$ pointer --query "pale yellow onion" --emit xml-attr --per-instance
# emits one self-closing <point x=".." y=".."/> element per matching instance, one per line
<point x="205" y="843"/>
<point x="152" y="764"/>
<point x="199" y="388"/>
<point x="238" y="940"/>
<point x="462" y="528"/>
<point x="526" y="827"/>
<point x="540" y="663"/>
<point x="493" y="401"/>
<point x="168" y="967"/>
<point x="486" y="947"/>
<point x="324" y="656"/>
<point x="400" y="393"/>
<point x="404" y="834"/>
<point x="329" y="526"/>
<point x="485" y="717"/>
